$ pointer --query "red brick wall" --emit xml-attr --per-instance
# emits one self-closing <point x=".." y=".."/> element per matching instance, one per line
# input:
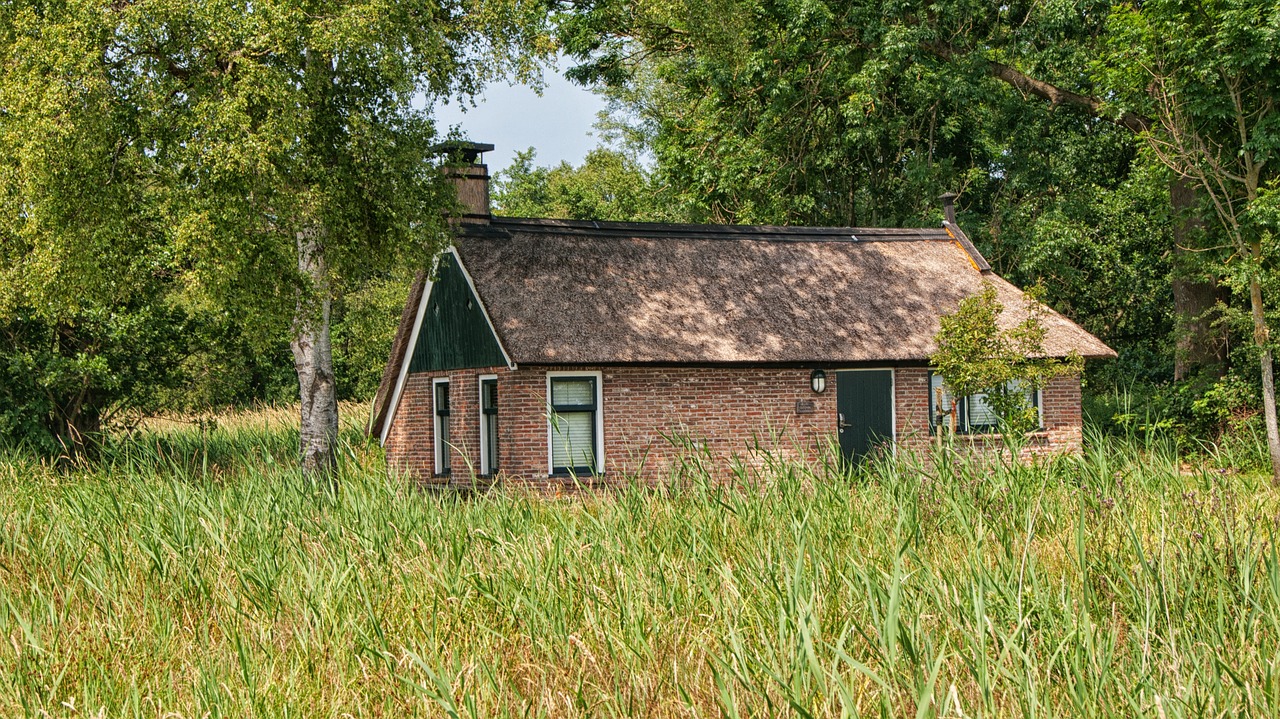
<point x="410" y="444"/>
<point x="660" y="421"/>
<point x="411" y="434"/>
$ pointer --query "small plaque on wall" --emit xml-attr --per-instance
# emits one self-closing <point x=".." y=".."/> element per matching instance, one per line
<point x="805" y="406"/>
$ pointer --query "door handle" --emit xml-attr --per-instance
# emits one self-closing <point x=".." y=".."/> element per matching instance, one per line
<point x="841" y="423"/>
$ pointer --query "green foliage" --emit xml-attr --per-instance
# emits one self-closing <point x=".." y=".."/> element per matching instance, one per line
<point x="194" y="572"/>
<point x="608" y="185"/>
<point x="229" y="366"/>
<point x="1208" y="75"/>
<point x="280" y="120"/>
<point x="167" y="158"/>
<point x="59" y="383"/>
<point x="1226" y="407"/>
<point x="861" y="113"/>
<point x="976" y="354"/>
<point x="1098" y="239"/>
<point x="364" y="327"/>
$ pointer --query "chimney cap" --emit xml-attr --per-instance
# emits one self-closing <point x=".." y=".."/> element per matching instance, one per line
<point x="949" y="205"/>
<point x="469" y="151"/>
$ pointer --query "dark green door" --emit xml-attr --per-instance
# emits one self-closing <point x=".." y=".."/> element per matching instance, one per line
<point x="864" y="400"/>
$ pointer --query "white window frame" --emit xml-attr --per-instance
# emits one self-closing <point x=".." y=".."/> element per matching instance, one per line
<point x="435" y="424"/>
<point x="485" y="469"/>
<point x="599" y="448"/>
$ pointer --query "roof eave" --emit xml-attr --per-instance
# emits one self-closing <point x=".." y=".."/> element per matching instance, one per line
<point x="979" y="262"/>
<point x="395" y="360"/>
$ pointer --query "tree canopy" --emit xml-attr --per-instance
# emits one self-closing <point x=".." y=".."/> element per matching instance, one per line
<point x="205" y="202"/>
<point x="256" y="159"/>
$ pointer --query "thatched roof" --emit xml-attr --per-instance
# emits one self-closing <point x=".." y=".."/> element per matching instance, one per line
<point x="399" y="345"/>
<point x="565" y="292"/>
<point x="600" y="293"/>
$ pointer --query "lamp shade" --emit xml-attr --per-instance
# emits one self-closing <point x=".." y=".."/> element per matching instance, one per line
<point x="818" y="381"/>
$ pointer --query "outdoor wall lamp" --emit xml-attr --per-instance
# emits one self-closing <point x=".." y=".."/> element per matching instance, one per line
<point x="818" y="381"/>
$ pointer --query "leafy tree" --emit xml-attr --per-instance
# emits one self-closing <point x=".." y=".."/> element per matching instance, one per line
<point x="977" y="355"/>
<point x="608" y="185"/>
<point x="85" y="332"/>
<point x="266" y="157"/>
<point x="1208" y="74"/>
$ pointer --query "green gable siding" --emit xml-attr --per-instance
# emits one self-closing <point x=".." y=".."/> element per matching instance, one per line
<point x="454" y="333"/>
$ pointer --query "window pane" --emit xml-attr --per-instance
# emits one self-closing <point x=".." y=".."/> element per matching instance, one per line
<point x="1028" y="393"/>
<point x="573" y="392"/>
<point x="442" y="445"/>
<point x="981" y="414"/>
<point x="572" y="439"/>
<point x="442" y="398"/>
<point x="491" y="441"/>
<point x="489" y="425"/>
<point x="938" y="389"/>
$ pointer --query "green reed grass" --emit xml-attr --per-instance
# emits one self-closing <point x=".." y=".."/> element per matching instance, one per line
<point x="193" y="572"/>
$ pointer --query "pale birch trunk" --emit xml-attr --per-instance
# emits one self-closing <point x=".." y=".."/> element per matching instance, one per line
<point x="313" y="361"/>
<point x="1261" y="335"/>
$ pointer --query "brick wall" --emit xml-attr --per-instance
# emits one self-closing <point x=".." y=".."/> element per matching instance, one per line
<point x="660" y="421"/>
<point x="410" y="444"/>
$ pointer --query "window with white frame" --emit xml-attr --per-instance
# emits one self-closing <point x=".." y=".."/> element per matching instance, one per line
<point x="574" y="425"/>
<point x="488" y="425"/>
<point x="972" y="414"/>
<point x="442" y="453"/>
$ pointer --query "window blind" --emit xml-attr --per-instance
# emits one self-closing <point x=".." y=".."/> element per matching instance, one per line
<point x="572" y="439"/>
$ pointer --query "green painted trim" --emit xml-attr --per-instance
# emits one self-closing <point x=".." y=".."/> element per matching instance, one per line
<point x="455" y="332"/>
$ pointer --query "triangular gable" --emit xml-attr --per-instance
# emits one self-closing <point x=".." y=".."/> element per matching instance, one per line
<point x="455" y="332"/>
<point x="450" y="330"/>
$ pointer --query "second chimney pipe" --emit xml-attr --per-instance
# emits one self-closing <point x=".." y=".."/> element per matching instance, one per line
<point x="949" y="206"/>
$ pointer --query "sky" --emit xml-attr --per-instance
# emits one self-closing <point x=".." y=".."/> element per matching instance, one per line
<point x="513" y="118"/>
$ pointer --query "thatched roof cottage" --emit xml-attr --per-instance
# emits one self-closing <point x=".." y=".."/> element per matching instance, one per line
<point x="553" y="352"/>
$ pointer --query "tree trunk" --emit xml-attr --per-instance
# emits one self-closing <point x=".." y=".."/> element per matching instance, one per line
<point x="78" y="427"/>
<point x="313" y="361"/>
<point x="1261" y="337"/>
<point x="1199" y="344"/>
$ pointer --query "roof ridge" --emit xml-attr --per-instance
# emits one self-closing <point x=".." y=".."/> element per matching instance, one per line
<point x="791" y="233"/>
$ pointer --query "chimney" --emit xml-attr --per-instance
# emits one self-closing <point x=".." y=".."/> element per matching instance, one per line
<point x="949" y="209"/>
<point x="469" y="175"/>
<point x="949" y="206"/>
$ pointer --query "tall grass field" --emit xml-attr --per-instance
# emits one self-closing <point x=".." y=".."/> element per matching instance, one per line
<point x="191" y="572"/>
